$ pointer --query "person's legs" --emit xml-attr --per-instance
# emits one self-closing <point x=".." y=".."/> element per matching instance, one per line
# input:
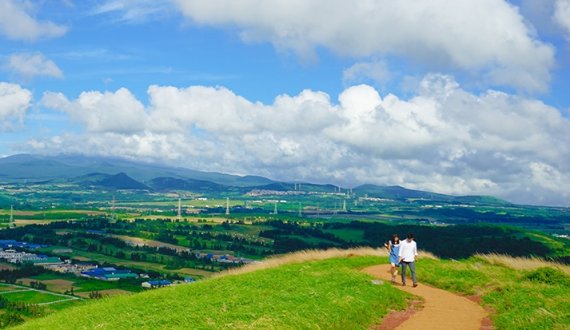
<point x="404" y="265"/>
<point x="413" y="271"/>
<point x="393" y="272"/>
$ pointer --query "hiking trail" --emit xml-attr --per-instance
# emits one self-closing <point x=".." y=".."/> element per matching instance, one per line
<point x="441" y="309"/>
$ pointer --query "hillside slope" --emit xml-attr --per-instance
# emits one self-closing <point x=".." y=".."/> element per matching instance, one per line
<point x="326" y="294"/>
<point x="329" y="290"/>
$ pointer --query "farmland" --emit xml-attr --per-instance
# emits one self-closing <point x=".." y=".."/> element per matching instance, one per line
<point x="201" y="228"/>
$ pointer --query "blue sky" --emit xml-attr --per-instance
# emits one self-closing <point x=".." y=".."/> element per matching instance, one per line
<point x="462" y="98"/>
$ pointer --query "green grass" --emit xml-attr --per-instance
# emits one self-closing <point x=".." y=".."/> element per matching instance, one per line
<point x="330" y="294"/>
<point x="521" y="299"/>
<point x="7" y="287"/>
<point x="31" y="297"/>
<point x="97" y="285"/>
<point x="63" y="305"/>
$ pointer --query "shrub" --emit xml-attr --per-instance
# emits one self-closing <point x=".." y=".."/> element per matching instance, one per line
<point x="548" y="275"/>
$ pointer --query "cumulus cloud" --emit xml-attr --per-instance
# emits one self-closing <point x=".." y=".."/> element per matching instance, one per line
<point x="118" y="112"/>
<point x="30" y="65"/>
<point x="443" y="139"/>
<point x="376" y="72"/>
<point x="562" y="14"/>
<point x="14" y="102"/>
<point x="487" y="39"/>
<point x="17" y="22"/>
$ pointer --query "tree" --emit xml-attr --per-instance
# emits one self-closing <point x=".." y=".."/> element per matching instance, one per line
<point x="95" y="295"/>
<point x="10" y="319"/>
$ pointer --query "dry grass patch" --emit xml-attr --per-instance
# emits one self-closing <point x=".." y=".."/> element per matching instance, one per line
<point x="521" y="263"/>
<point x="24" y="222"/>
<point x="194" y="271"/>
<point x="312" y="255"/>
<point x="27" y="281"/>
<point x="58" y="285"/>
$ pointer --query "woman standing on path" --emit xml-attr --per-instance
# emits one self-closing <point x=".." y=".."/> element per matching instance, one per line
<point x="393" y="247"/>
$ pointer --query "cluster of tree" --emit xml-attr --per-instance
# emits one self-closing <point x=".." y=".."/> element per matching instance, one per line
<point x="453" y="241"/>
<point x="95" y="295"/>
<point x="473" y="216"/>
<point x="14" y="312"/>
<point x="295" y="228"/>
<point x="199" y="237"/>
<point x="10" y="319"/>
<point x="27" y="270"/>
<point x="38" y="285"/>
<point x="447" y="242"/>
<point x="294" y="236"/>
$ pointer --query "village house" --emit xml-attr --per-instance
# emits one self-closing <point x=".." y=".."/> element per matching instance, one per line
<point x="156" y="284"/>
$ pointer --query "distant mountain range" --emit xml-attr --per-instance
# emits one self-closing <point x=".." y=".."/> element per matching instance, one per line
<point x="115" y="173"/>
<point x="35" y="168"/>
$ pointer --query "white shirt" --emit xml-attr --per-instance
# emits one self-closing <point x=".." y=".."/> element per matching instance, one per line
<point x="408" y="251"/>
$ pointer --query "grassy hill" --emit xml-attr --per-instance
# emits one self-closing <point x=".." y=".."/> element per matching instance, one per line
<point x="325" y="294"/>
<point x="326" y="290"/>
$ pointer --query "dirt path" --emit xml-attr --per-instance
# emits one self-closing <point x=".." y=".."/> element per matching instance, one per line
<point x="441" y="309"/>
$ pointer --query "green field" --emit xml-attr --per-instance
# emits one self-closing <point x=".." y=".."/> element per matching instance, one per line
<point x="81" y="284"/>
<point x="32" y="297"/>
<point x="7" y="287"/>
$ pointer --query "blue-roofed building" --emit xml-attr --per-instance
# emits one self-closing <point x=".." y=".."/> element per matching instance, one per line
<point x="11" y="244"/>
<point x="108" y="273"/>
<point x="95" y="232"/>
<point x="7" y="243"/>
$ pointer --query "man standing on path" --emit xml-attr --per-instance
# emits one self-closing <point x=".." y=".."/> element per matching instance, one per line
<point x="407" y="255"/>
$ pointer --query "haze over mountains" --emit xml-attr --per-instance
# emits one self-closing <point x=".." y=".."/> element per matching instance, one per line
<point x="115" y="173"/>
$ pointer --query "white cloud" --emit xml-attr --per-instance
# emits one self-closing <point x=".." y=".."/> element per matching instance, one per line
<point x="118" y="112"/>
<point x="562" y="15"/>
<point x="376" y="72"/>
<point x="487" y="39"/>
<point x="14" y="102"/>
<point x="443" y="139"/>
<point x="16" y="22"/>
<point x="30" y="65"/>
<point x="135" y="10"/>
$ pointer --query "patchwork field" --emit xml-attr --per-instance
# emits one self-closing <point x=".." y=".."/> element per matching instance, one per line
<point x="16" y="293"/>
